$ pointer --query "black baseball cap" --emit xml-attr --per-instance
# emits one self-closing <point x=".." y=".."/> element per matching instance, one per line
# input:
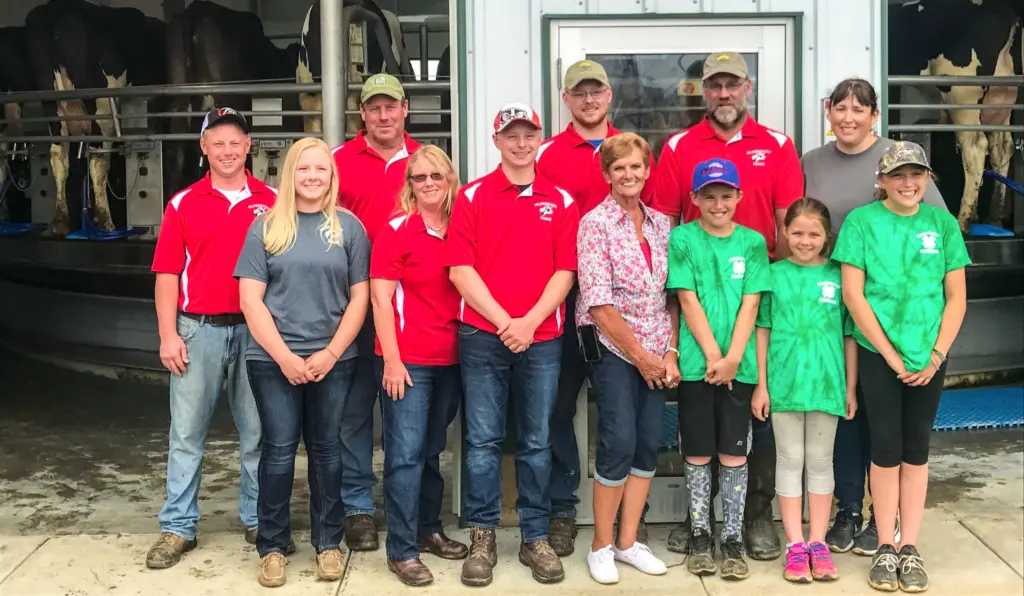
<point x="225" y="115"/>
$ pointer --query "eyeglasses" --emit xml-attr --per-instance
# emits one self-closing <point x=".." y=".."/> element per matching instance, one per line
<point x="421" y="178"/>
<point x="577" y="95"/>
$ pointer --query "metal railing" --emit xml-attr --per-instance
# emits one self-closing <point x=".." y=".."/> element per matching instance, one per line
<point x="955" y="81"/>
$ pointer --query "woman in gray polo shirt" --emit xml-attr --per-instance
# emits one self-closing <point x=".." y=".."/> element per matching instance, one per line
<point x="304" y="283"/>
<point x="842" y="175"/>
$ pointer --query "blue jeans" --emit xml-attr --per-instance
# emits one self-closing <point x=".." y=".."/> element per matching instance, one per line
<point x="629" y="421"/>
<point x="415" y="434"/>
<point x="851" y="458"/>
<point x="214" y="354"/>
<point x="489" y="372"/>
<point x="357" y="477"/>
<point x="312" y="410"/>
<point x="565" y="459"/>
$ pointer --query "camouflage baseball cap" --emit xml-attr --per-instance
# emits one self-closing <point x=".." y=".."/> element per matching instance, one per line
<point x="585" y="70"/>
<point x="902" y="153"/>
<point x="725" y="62"/>
<point x="382" y="84"/>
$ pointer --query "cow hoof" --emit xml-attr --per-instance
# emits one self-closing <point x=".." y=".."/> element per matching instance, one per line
<point x="60" y="229"/>
<point x="104" y="223"/>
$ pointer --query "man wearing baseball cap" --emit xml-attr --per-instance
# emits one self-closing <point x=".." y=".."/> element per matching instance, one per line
<point x="371" y="172"/>
<point x="203" y="334"/>
<point x="767" y="162"/>
<point x="571" y="160"/>
<point x="512" y="253"/>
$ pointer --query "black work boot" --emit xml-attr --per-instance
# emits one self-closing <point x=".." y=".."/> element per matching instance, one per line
<point x="562" y="535"/>
<point x="760" y="535"/>
<point x="361" y="533"/>
<point x="478" y="568"/>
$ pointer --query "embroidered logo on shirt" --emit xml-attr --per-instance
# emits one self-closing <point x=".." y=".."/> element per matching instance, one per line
<point x="259" y="209"/>
<point x="929" y="243"/>
<point x="739" y="267"/>
<point x="757" y="156"/>
<point x="828" y="292"/>
<point x="546" y="209"/>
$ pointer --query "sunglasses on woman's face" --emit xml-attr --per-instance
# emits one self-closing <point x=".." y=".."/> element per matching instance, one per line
<point x="421" y="178"/>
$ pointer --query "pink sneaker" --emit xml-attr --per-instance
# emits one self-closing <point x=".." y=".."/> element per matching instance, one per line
<point x="798" y="567"/>
<point x="822" y="567"/>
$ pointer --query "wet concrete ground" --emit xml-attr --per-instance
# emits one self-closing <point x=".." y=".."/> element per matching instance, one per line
<point x="82" y="454"/>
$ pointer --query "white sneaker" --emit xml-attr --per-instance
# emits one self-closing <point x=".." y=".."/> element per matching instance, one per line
<point x="602" y="566"/>
<point x="641" y="557"/>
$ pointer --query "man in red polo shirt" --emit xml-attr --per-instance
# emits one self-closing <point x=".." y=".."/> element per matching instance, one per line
<point x="772" y="179"/>
<point x="203" y="335"/>
<point x="371" y="172"/>
<point x="512" y="253"/>
<point x="571" y="160"/>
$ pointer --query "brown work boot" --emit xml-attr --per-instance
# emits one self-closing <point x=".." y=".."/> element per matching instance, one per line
<point x="442" y="546"/>
<point x="168" y="550"/>
<point x="361" y="533"/>
<point x="478" y="570"/>
<point x="272" y="570"/>
<point x="329" y="564"/>
<point x="562" y="535"/>
<point x="542" y="560"/>
<point x="412" y="572"/>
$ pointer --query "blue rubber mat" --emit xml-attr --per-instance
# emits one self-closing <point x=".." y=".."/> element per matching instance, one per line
<point x="961" y="409"/>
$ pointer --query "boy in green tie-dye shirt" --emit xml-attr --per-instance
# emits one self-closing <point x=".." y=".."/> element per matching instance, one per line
<point x="718" y="268"/>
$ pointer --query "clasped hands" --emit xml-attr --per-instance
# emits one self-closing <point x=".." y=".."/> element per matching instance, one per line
<point x="720" y="370"/>
<point x="915" y="379"/>
<point x="517" y="334"/>
<point x="299" y="371"/>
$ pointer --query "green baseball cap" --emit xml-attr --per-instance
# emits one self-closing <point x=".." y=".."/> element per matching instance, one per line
<point x="585" y="70"/>
<point x="902" y="153"/>
<point x="382" y="84"/>
<point x="725" y="62"/>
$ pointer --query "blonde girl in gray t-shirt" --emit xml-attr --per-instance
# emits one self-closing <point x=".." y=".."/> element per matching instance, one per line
<point x="304" y="282"/>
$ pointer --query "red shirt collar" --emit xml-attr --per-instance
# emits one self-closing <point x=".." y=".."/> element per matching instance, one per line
<point x="578" y="140"/>
<point x="205" y="185"/>
<point x="751" y="128"/>
<point x="537" y="187"/>
<point x="408" y="145"/>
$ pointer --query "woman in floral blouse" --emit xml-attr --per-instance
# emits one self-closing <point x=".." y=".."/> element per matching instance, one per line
<point x="623" y="251"/>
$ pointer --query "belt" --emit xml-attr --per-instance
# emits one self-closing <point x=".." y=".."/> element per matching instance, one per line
<point x="216" y="320"/>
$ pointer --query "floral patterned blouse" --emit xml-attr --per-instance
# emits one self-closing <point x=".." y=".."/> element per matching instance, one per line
<point x="613" y="270"/>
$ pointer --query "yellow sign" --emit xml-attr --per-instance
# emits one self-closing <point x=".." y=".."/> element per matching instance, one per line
<point x="689" y="88"/>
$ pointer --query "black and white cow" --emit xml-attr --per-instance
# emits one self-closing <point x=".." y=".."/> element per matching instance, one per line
<point x="74" y="44"/>
<point x="965" y="38"/>
<point x="15" y="76"/>
<point x="209" y="43"/>
<point x="385" y="52"/>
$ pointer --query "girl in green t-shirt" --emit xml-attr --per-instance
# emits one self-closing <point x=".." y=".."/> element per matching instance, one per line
<point x="807" y="380"/>
<point x="904" y="283"/>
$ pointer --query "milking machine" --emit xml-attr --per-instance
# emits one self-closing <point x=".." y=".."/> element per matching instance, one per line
<point x="267" y="153"/>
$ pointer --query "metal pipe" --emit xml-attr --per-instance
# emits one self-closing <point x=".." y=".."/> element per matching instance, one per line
<point x="424" y="54"/>
<point x="958" y="106"/>
<point x="193" y="137"/>
<point x="45" y="119"/>
<point x="204" y="89"/>
<point x="113" y="115"/>
<point x="333" y="70"/>
<point x="955" y="128"/>
<point x="957" y="81"/>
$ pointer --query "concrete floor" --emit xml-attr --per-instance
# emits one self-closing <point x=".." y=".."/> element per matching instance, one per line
<point x="82" y="463"/>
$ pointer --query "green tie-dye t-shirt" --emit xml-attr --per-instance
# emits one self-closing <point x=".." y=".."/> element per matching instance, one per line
<point x="806" y="364"/>
<point x="720" y="271"/>
<point x="905" y="259"/>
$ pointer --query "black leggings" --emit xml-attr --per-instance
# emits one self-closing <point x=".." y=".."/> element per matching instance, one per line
<point x="900" y="417"/>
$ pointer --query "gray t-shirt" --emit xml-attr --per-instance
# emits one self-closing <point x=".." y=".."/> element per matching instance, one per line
<point x="307" y="286"/>
<point x="844" y="182"/>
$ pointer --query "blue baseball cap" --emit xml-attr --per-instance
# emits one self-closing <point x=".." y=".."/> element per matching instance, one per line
<point x="715" y="171"/>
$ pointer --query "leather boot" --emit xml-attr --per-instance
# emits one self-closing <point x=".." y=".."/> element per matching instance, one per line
<point x="562" y="534"/>
<point x="542" y="560"/>
<point x="412" y="572"/>
<point x="440" y="545"/>
<point x="761" y="537"/>
<point x="478" y="569"/>
<point x="361" y="533"/>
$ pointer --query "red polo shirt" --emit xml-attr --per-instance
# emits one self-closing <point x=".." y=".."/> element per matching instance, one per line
<point x="770" y="173"/>
<point x="368" y="184"/>
<point x="516" y="240"/>
<point x="200" y="238"/>
<point x="573" y="163"/>
<point x="425" y="302"/>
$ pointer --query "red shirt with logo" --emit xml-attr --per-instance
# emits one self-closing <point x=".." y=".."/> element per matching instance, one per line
<point x="573" y="163"/>
<point x="516" y="240"/>
<point x="769" y="169"/>
<point x="368" y="184"/>
<point x="425" y="302"/>
<point x="200" y="238"/>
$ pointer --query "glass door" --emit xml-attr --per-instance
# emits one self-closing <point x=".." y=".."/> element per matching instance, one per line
<point x="655" y="69"/>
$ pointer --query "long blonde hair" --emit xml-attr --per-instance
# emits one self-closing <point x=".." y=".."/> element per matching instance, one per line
<point x="280" y="225"/>
<point x="437" y="157"/>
